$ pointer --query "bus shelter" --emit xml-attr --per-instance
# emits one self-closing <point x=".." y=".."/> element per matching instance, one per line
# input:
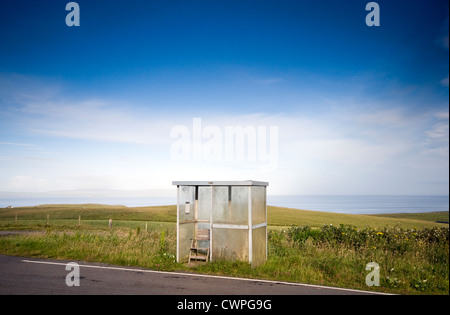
<point x="222" y="220"/>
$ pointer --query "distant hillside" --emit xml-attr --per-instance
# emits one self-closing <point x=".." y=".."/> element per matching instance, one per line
<point x="442" y="216"/>
<point x="277" y="216"/>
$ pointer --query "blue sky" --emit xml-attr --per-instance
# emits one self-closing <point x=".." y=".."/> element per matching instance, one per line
<point x="359" y="110"/>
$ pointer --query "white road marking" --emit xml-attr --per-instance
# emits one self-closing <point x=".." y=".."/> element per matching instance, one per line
<point x="206" y="276"/>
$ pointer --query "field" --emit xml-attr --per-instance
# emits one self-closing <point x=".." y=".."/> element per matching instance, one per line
<point x="412" y="250"/>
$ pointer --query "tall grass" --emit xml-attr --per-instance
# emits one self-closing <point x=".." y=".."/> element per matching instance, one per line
<point x="411" y="261"/>
<point x="154" y="249"/>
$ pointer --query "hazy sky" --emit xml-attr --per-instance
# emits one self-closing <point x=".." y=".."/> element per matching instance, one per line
<point x="356" y="109"/>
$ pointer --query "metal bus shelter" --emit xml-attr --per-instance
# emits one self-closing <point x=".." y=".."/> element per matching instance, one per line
<point x="234" y="214"/>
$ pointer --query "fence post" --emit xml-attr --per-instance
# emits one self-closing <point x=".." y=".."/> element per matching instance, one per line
<point x="110" y="223"/>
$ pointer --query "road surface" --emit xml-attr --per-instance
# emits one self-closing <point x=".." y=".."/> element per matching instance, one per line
<point x="19" y="275"/>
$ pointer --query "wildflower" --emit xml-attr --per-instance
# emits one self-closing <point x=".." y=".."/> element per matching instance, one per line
<point x="380" y="233"/>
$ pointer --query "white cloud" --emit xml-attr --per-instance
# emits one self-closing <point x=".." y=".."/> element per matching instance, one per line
<point x="16" y="144"/>
<point x="353" y="152"/>
<point x="442" y="115"/>
<point x="93" y="120"/>
<point x="28" y="183"/>
<point x="439" y="132"/>
<point x="437" y="136"/>
<point x="350" y="149"/>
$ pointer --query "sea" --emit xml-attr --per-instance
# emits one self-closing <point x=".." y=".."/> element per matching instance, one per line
<point x="363" y="204"/>
<point x="338" y="204"/>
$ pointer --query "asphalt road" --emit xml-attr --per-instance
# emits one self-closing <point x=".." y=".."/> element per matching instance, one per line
<point x="30" y="276"/>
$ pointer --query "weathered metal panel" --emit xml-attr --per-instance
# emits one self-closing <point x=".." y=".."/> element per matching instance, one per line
<point x="238" y="210"/>
<point x="230" y="244"/>
<point x="204" y="203"/>
<point x="220" y="204"/>
<point x="258" y="204"/>
<point x="185" y="234"/>
<point x="259" y="246"/>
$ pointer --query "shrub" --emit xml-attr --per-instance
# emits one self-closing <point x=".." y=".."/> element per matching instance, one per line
<point x="409" y="259"/>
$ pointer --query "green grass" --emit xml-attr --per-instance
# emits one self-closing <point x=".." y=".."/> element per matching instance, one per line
<point x="303" y="246"/>
<point x="276" y="216"/>
<point x="285" y="217"/>
<point x="120" y="246"/>
<point x="411" y="261"/>
<point x="429" y="216"/>
<point x="91" y="212"/>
